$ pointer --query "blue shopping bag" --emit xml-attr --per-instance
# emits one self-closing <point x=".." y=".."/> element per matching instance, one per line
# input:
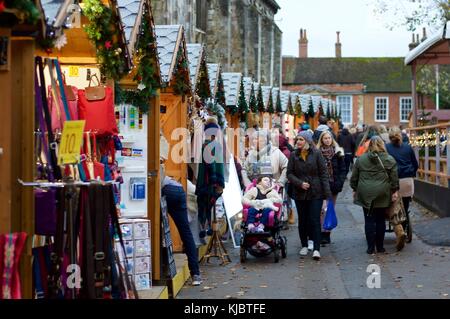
<point x="330" y="222"/>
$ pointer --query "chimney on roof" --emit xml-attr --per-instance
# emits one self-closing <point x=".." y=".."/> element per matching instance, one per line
<point x="303" y="45"/>
<point x="338" y="46"/>
<point x="414" y="42"/>
<point x="424" y="34"/>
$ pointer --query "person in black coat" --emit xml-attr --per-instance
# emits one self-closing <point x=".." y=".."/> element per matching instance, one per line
<point x="335" y="163"/>
<point x="347" y="142"/>
<point x="308" y="175"/>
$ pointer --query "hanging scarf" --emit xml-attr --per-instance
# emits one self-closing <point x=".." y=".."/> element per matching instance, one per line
<point x="328" y="153"/>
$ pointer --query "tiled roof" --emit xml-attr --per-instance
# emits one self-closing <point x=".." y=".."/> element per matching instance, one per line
<point x="231" y="83"/>
<point x="285" y="98"/>
<point x="129" y="12"/>
<point x="266" y="94"/>
<point x="316" y="99"/>
<point x="256" y="86"/>
<point x="377" y="74"/>
<point x="248" y="82"/>
<point x="213" y="74"/>
<point x="195" y="52"/>
<point x="168" y="38"/>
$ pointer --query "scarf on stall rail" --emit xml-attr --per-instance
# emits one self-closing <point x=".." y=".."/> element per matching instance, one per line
<point x="11" y="247"/>
<point x="328" y="153"/>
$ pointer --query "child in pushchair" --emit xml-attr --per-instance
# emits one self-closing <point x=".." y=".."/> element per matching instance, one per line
<point x="261" y="223"/>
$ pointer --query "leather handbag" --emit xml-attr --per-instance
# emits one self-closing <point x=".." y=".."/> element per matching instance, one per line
<point x="45" y="201"/>
<point x="96" y="107"/>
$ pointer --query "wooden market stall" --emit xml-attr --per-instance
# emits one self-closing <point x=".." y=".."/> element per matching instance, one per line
<point x="139" y="29"/>
<point x="175" y="91"/>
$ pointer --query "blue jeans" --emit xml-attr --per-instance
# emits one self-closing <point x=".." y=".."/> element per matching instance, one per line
<point x="309" y="221"/>
<point x="252" y="216"/>
<point x="177" y="207"/>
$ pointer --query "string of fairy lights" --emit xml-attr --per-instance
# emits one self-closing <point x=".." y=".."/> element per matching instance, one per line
<point x="430" y="139"/>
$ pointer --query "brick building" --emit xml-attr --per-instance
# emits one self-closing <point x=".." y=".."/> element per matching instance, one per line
<point x="367" y="90"/>
<point x="241" y="35"/>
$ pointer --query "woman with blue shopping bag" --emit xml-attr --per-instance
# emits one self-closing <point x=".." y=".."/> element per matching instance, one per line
<point x="334" y="157"/>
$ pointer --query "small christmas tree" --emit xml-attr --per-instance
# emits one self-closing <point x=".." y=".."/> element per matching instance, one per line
<point x="260" y="102"/>
<point x="253" y="105"/>
<point x="298" y="108"/>
<point x="270" y="109"/>
<point x="242" y="103"/>
<point x="291" y="108"/>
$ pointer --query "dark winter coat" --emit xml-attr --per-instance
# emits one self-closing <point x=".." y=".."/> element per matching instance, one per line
<point x="339" y="172"/>
<point x="405" y="158"/>
<point x="372" y="183"/>
<point x="312" y="171"/>
<point x="347" y="141"/>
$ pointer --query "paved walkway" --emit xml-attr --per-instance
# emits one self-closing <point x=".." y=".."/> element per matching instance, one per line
<point x="419" y="271"/>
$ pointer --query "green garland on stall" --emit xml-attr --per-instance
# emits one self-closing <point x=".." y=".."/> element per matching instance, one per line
<point x="298" y="108"/>
<point x="270" y="109"/>
<point x="220" y="94"/>
<point x="252" y="103"/>
<point x="260" y="101"/>
<point x="328" y="114"/>
<point x="321" y="112"/>
<point x="22" y="12"/>
<point x="182" y="83"/>
<point x="278" y="103"/>
<point x="242" y="103"/>
<point x="290" y="109"/>
<point x="311" y="112"/>
<point x="203" y="89"/>
<point x="102" y="31"/>
<point x="146" y="70"/>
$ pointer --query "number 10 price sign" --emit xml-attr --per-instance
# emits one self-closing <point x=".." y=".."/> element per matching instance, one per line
<point x="72" y="135"/>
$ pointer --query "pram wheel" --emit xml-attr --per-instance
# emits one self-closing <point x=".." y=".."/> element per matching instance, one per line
<point x="276" y="253"/>
<point x="408" y="229"/>
<point x="283" y="247"/>
<point x="243" y="254"/>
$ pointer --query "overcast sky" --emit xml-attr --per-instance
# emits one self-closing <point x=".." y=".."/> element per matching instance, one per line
<point x="362" y="33"/>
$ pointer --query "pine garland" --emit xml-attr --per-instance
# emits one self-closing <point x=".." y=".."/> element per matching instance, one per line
<point x="27" y="12"/>
<point x="278" y="104"/>
<point x="260" y="101"/>
<point x="298" y="108"/>
<point x="328" y="115"/>
<point x="220" y="94"/>
<point x="270" y="109"/>
<point x="102" y="31"/>
<point x="252" y="103"/>
<point x="182" y="83"/>
<point x="311" y="112"/>
<point x="242" y="103"/>
<point x="291" y="108"/>
<point x="203" y="89"/>
<point x="321" y="112"/>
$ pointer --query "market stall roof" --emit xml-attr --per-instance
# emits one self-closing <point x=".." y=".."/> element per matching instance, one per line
<point x="55" y="14"/>
<point x="256" y="86"/>
<point x="285" y="100"/>
<point x="266" y="90"/>
<point x="231" y="83"/>
<point x="434" y="50"/>
<point x="213" y="74"/>
<point x="248" y="83"/>
<point x="170" y="40"/>
<point x="198" y="70"/>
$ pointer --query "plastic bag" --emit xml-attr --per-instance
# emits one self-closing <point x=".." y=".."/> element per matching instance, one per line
<point x="330" y="222"/>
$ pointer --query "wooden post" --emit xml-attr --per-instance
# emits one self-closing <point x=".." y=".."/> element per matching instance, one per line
<point x="22" y="151"/>
<point x="438" y="156"/>
<point x="154" y="185"/>
<point x="414" y="93"/>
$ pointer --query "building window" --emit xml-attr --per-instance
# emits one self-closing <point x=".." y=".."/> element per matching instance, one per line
<point x="405" y="108"/>
<point x="201" y="15"/>
<point x="344" y="104"/>
<point x="381" y="109"/>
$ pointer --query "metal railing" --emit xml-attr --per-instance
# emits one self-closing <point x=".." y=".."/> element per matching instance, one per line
<point x="432" y="146"/>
